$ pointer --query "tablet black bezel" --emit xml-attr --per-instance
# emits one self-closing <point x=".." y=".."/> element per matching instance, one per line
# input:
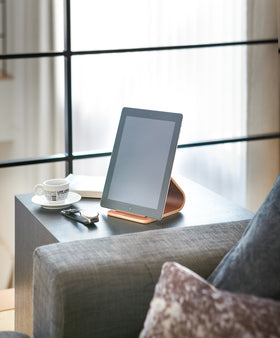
<point x="132" y="208"/>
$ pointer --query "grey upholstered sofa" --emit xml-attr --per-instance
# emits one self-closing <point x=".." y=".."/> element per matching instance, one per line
<point x="103" y="287"/>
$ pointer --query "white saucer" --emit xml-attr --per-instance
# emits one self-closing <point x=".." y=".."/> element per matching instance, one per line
<point x="71" y="198"/>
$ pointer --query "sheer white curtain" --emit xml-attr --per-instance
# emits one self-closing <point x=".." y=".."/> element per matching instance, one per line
<point x="33" y="113"/>
<point x="263" y="103"/>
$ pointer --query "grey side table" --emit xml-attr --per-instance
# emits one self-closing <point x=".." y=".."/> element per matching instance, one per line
<point x="36" y="226"/>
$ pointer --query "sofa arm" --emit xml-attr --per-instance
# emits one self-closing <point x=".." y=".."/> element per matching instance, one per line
<point x="102" y="287"/>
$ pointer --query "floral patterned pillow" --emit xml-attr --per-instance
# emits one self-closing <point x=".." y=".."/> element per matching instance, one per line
<point x="185" y="305"/>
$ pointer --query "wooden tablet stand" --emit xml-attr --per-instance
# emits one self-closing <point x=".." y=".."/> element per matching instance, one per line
<point x="174" y="203"/>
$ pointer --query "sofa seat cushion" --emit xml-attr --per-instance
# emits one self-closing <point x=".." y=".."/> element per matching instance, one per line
<point x="252" y="265"/>
<point x="186" y="305"/>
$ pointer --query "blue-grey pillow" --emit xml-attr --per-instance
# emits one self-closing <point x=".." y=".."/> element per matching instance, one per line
<point x="252" y="266"/>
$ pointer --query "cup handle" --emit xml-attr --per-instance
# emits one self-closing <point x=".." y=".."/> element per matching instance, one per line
<point x="39" y="189"/>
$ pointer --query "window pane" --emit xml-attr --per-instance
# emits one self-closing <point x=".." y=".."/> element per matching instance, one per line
<point x="94" y="166"/>
<point x="32" y="109"/>
<point x="220" y="168"/>
<point x="241" y="172"/>
<point x="34" y="26"/>
<point x="111" y="24"/>
<point x="208" y="86"/>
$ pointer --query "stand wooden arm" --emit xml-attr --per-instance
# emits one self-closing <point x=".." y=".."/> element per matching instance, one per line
<point x="174" y="203"/>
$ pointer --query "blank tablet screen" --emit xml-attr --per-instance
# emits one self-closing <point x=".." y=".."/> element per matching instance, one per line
<point x="141" y="163"/>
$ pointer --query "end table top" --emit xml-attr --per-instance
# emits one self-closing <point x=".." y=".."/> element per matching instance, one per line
<point x="202" y="207"/>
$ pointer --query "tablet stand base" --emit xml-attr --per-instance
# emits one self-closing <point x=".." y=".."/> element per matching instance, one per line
<point x="174" y="203"/>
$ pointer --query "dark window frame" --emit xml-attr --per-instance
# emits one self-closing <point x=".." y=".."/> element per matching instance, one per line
<point x="69" y="156"/>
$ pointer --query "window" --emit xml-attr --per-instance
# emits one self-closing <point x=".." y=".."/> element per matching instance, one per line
<point x="216" y="62"/>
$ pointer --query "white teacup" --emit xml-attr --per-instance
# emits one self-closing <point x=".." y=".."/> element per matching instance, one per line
<point x="54" y="190"/>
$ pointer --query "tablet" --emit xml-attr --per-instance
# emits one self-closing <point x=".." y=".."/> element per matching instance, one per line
<point x="139" y="173"/>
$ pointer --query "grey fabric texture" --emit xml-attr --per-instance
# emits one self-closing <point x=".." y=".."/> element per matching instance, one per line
<point x="103" y="287"/>
<point x="253" y="265"/>
<point x="12" y="334"/>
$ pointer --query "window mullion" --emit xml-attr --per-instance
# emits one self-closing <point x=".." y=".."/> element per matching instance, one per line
<point x="68" y="88"/>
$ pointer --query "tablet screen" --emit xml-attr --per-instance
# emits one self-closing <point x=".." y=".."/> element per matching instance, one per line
<point x="141" y="162"/>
